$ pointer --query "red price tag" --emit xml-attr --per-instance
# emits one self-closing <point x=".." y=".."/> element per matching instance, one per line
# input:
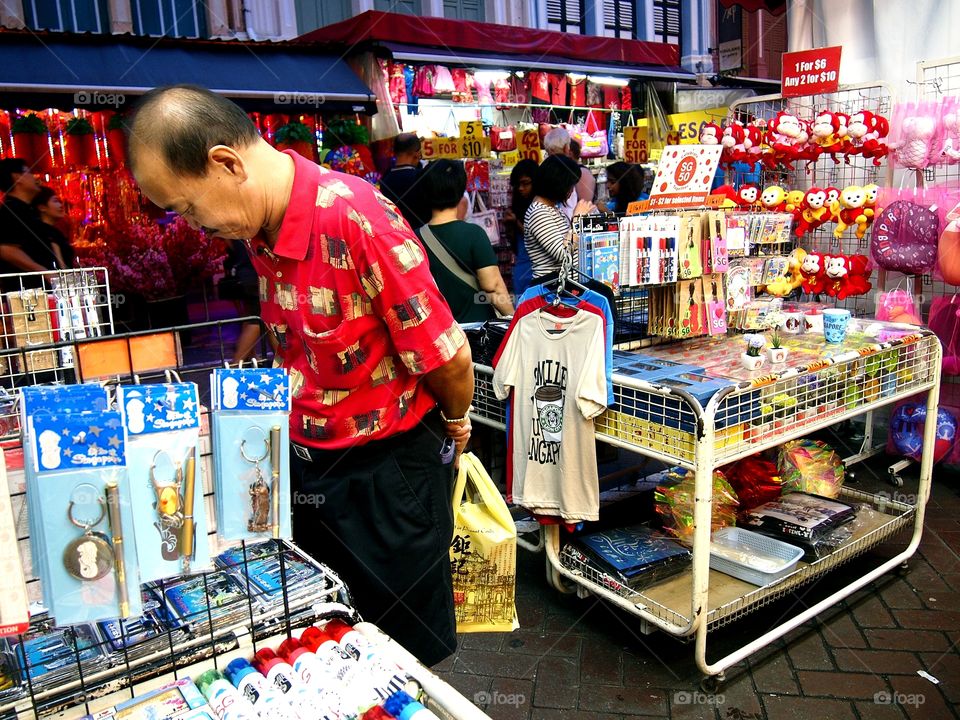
<point x="811" y="72"/>
<point x="685" y="172"/>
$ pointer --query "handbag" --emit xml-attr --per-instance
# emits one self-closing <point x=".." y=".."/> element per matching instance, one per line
<point x="484" y="218"/>
<point x="503" y="139"/>
<point x="483" y="553"/>
<point x="593" y="140"/>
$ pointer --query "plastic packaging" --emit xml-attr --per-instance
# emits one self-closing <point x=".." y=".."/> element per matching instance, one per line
<point x="267" y="699"/>
<point x="225" y="700"/>
<point x="811" y="466"/>
<point x="675" y="504"/>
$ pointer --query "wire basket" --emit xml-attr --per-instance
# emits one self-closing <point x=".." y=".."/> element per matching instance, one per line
<point x="752" y="557"/>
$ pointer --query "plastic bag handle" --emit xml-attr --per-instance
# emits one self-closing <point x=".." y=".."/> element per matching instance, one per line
<point x="472" y="470"/>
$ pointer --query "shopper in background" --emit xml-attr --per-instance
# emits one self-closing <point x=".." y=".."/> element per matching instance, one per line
<point x="22" y="245"/>
<point x="381" y="373"/>
<point x="624" y="186"/>
<point x="546" y="228"/>
<point x="521" y="185"/>
<point x="460" y="251"/>
<point x="50" y="208"/>
<point x="240" y="285"/>
<point x="401" y="183"/>
<point x="557" y="142"/>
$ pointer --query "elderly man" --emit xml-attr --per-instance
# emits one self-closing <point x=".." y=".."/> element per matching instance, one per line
<point x="557" y="142"/>
<point x="382" y="377"/>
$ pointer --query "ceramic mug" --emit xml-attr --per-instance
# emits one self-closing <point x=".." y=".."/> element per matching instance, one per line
<point x="835" y="323"/>
<point x="813" y="322"/>
<point x="793" y="323"/>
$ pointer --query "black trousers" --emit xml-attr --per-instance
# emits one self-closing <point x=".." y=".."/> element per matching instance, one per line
<point x="380" y="516"/>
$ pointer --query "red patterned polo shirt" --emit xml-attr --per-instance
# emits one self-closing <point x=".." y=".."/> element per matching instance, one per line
<point x="347" y="291"/>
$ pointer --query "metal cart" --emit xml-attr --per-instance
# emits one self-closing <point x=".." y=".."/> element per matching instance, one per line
<point x="672" y="426"/>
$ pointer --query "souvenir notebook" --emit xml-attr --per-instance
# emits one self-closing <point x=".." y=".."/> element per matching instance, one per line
<point x="637" y="554"/>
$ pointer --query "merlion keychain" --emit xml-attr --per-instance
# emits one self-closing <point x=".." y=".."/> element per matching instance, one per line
<point x="90" y="556"/>
<point x="259" y="490"/>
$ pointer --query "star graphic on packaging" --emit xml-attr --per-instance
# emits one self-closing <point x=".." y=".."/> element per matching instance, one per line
<point x="95" y="430"/>
<point x="65" y="432"/>
<point x="189" y="405"/>
<point x="68" y="452"/>
<point x="265" y="379"/>
<point x="151" y="417"/>
<point x="94" y="449"/>
<point x="251" y="386"/>
<point x="114" y="441"/>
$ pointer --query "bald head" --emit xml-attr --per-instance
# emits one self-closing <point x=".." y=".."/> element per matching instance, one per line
<point x="182" y="122"/>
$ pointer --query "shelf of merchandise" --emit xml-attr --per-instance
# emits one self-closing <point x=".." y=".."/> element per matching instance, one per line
<point x="673" y="427"/>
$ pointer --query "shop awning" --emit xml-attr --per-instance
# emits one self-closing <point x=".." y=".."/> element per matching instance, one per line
<point x="106" y="71"/>
<point x="473" y="44"/>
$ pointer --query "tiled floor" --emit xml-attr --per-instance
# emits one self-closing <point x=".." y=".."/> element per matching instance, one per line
<point x="584" y="660"/>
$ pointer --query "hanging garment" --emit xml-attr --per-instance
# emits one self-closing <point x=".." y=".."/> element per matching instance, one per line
<point x="410" y="78"/>
<point x="443" y="82"/>
<point x="397" y="84"/>
<point x="520" y="90"/>
<point x="578" y="92"/>
<point x="558" y="89"/>
<point x="540" y="86"/>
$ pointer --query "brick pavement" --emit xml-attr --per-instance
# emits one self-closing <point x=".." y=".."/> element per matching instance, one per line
<point x="581" y="659"/>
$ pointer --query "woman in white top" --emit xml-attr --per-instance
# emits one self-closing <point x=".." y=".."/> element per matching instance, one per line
<point x="546" y="229"/>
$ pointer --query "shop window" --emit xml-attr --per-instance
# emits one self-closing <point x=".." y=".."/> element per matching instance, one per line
<point x="618" y="19"/>
<point x="174" y="18"/>
<point x="67" y="15"/>
<point x="406" y="7"/>
<point x="566" y="16"/>
<point x="313" y="14"/>
<point x="463" y="10"/>
<point x="666" y="21"/>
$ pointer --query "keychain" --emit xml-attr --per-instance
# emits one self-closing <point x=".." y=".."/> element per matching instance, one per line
<point x="168" y="506"/>
<point x="90" y="556"/>
<point x="259" y="490"/>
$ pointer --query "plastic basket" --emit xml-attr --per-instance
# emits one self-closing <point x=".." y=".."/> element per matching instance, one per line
<point x="752" y="557"/>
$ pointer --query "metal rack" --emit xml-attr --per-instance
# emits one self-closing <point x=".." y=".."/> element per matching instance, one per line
<point x="671" y="426"/>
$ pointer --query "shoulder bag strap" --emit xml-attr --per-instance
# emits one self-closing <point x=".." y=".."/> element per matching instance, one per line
<point x="448" y="261"/>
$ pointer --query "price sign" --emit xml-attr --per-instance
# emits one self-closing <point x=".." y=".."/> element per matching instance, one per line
<point x="684" y="175"/>
<point x="635" y="146"/>
<point x="528" y="145"/>
<point x="811" y="72"/>
<point x="471" y="129"/>
<point x="440" y="148"/>
<point x="510" y="158"/>
<point x="473" y="146"/>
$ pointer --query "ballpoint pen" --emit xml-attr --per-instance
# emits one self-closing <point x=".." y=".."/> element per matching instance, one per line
<point x="275" y="477"/>
<point x="187" y="529"/>
<point x="113" y="509"/>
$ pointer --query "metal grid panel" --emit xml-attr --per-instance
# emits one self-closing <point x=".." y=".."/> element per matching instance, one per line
<point x="825" y="173"/>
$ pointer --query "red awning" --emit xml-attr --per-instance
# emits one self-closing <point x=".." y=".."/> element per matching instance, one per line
<point x="777" y="7"/>
<point x="435" y="32"/>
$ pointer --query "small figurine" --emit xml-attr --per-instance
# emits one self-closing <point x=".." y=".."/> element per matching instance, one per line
<point x="260" y="504"/>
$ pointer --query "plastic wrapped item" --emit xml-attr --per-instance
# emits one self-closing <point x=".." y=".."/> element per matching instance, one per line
<point x="675" y="504"/>
<point x="811" y="466"/>
<point x="756" y="480"/>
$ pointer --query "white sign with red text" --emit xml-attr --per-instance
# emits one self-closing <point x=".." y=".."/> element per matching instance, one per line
<point x="684" y="175"/>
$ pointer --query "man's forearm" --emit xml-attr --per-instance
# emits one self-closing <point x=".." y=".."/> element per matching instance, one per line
<point x="15" y="255"/>
<point x="452" y="384"/>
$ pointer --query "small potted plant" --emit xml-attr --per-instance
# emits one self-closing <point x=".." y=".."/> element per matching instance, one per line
<point x="31" y="140"/>
<point x="776" y="352"/>
<point x="79" y="144"/>
<point x="116" y="140"/>
<point x="297" y="137"/>
<point x="752" y="359"/>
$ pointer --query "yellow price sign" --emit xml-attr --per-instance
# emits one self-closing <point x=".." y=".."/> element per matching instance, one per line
<point x="528" y="140"/>
<point x="472" y="146"/>
<point x="440" y="148"/>
<point x="635" y="146"/>
<point x="510" y="158"/>
<point x="471" y="129"/>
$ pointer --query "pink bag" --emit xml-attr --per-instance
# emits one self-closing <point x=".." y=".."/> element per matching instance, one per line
<point x="916" y="134"/>
<point x="897" y="306"/>
<point x="593" y="140"/>
<point x="944" y="320"/>
<point x="950" y="119"/>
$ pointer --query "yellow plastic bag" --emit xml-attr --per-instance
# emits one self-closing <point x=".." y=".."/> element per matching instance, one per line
<point x="483" y="553"/>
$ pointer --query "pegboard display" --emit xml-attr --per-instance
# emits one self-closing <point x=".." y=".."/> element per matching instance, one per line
<point x="825" y="172"/>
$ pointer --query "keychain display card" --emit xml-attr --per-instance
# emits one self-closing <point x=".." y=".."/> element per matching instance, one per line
<point x="250" y="430"/>
<point x="51" y="657"/>
<point x="163" y="426"/>
<point x="32" y="325"/>
<point x="212" y="597"/>
<point x="168" y="702"/>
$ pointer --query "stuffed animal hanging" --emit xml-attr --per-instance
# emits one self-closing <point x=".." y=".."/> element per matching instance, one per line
<point x="828" y="133"/>
<point x="732" y="142"/>
<point x="865" y="135"/>
<point x="849" y="209"/>
<point x="814" y="212"/>
<point x="710" y="134"/>
<point x="811" y="268"/>
<point x="774" y="199"/>
<point x="785" y="136"/>
<point x="792" y="279"/>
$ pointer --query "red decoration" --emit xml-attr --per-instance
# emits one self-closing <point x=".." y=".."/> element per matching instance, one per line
<point x="34" y="149"/>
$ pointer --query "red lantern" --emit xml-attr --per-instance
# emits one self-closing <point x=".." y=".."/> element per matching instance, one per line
<point x="33" y="149"/>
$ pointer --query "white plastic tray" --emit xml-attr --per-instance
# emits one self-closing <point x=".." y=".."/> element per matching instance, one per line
<point x="752" y="557"/>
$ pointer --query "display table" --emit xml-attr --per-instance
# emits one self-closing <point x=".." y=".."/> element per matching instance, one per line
<point x="746" y="412"/>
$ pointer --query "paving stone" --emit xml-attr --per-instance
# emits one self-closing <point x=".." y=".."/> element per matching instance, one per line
<point x="467" y="685"/>
<point x="871" y="612"/>
<point x="899" y="594"/>
<point x="557" y="683"/>
<point x="946" y="668"/>
<point x="658" y="669"/>
<point x="925" y="579"/>
<point x="739" y="695"/>
<point x="803" y="708"/>
<point x="878" y="662"/>
<point x="919" y="698"/>
<point x="531" y="643"/>
<point x="695" y="712"/>
<point x="623" y="700"/>
<point x="600" y="663"/>
<point x="809" y="652"/>
<point x="774" y="675"/>
<point x="494" y="664"/>
<point x="911" y="640"/>
<point x="929" y="619"/>
<point x="509" y="699"/>
<point x="840" y="685"/>
<point x="567" y="714"/>
<point x="483" y="641"/>
<point x="445" y="665"/>
<point x="870" y="710"/>
<point x="941" y="557"/>
<point x="530" y="611"/>
<point x="841" y="631"/>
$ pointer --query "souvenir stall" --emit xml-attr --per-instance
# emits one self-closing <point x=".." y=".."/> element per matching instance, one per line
<point x="744" y="325"/>
<point x="145" y="499"/>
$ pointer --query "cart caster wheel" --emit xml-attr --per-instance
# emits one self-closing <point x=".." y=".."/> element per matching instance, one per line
<point x="711" y="684"/>
<point x="904" y="568"/>
<point x="896" y="480"/>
